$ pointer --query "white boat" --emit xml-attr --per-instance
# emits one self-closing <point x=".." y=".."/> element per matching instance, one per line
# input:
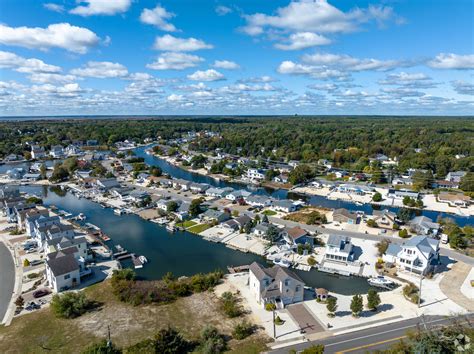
<point x="118" y="212"/>
<point x="142" y="259"/>
<point x="381" y="282"/>
<point x="359" y="203"/>
<point x="81" y="216"/>
<point x="170" y="228"/>
<point x="282" y="262"/>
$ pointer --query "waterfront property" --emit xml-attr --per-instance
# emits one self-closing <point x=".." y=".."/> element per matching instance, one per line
<point x="296" y="235"/>
<point x="454" y="199"/>
<point x="384" y="218"/>
<point x="423" y="225"/>
<point x="62" y="270"/>
<point x="418" y="255"/>
<point x="342" y="215"/>
<point x="339" y="249"/>
<point x="402" y="193"/>
<point x="276" y="285"/>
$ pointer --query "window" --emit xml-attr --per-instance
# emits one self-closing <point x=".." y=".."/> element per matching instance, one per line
<point x="298" y="288"/>
<point x="67" y="276"/>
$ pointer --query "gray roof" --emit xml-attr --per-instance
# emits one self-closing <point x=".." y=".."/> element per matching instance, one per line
<point x="342" y="242"/>
<point x="62" y="253"/>
<point x="242" y="220"/>
<point x="284" y="203"/>
<point x="424" y="221"/>
<point x="393" y="250"/>
<point x="263" y="227"/>
<point x="257" y="199"/>
<point x="346" y="213"/>
<point x="109" y="182"/>
<point x="211" y="213"/>
<point x="276" y="274"/>
<point x="63" y="265"/>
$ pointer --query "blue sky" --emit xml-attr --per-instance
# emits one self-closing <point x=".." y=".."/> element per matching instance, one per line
<point x="68" y="57"/>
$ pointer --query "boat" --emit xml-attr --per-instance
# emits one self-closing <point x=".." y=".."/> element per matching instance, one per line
<point x="118" y="211"/>
<point x="282" y="262"/>
<point x="81" y="216"/>
<point x="170" y="228"/>
<point x="381" y="282"/>
<point x="359" y="203"/>
<point x="142" y="259"/>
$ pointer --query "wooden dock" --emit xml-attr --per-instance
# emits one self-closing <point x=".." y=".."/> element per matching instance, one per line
<point x="239" y="269"/>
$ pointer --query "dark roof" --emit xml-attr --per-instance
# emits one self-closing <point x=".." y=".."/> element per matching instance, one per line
<point x="62" y="265"/>
<point x="242" y="220"/>
<point x="296" y="232"/>
<point x="346" y="213"/>
<point x="62" y="253"/>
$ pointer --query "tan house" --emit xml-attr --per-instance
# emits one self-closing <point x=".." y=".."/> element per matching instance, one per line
<point x="454" y="199"/>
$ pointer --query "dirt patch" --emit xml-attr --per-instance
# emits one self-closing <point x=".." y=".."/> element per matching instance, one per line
<point x="303" y="215"/>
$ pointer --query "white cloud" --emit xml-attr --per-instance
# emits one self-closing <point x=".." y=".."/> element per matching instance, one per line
<point x="67" y="90"/>
<point x="226" y="64"/>
<point x="101" y="70"/>
<point x="60" y="35"/>
<point x="170" y="43"/>
<point x="259" y="79"/>
<point x="317" y="72"/>
<point x="12" y="61"/>
<point x="418" y="80"/>
<point x="315" y="16"/>
<point x="222" y="10"/>
<point x="452" y="61"/>
<point x="54" y="7"/>
<point x="350" y="63"/>
<point x="207" y="75"/>
<point x="175" y="61"/>
<point x="175" y="98"/>
<point x="302" y="40"/>
<point x="48" y="78"/>
<point x="101" y="7"/>
<point x="463" y="87"/>
<point x="158" y="17"/>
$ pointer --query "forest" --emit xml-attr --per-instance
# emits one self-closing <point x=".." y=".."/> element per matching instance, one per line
<point x="439" y="144"/>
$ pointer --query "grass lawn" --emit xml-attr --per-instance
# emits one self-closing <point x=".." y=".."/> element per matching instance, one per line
<point x="269" y="212"/>
<point x="199" y="228"/>
<point x="42" y="332"/>
<point x="186" y="224"/>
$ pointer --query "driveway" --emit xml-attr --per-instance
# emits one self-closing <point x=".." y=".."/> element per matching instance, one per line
<point x="451" y="285"/>
<point x="305" y="319"/>
<point x="7" y="279"/>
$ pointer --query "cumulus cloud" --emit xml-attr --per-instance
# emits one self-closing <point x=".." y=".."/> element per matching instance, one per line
<point x="101" y="70"/>
<point x="315" y="16"/>
<point x="158" y="17"/>
<point x="101" y="7"/>
<point x="350" y="63"/>
<point x="54" y="7"/>
<point x="12" y="61"/>
<point x="51" y="78"/>
<point x="222" y="10"/>
<point x="302" y="40"/>
<point x="452" y="61"/>
<point x="175" y="98"/>
<point x="418" y="80"/>
<point x="226" y="64"/>
<point x="170" y="43"/>
<point x="67" y="90"/>
<point x="463" y="87"/>
<point x="258" y="79"/>
<point x="60" y="35"/>
<point x="207" y="75"/>
<point x="175" y="61"/>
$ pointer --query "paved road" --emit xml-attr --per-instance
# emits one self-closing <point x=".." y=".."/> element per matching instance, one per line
<point x="370" y="339"/>
<point x="7" y="279"/>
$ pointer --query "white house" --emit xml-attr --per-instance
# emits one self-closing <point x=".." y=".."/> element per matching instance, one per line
<point x="41" y="225"/>
<point x="284" y="205"/>
<point x="402" y="193"/>
<point x="37" y="152"/>
<point x="275" y="285"/>
<point x="218" y="192"/>
<point x="258" y="201"/>
<point x="339" y="249"/>
<point x="62" y="271"/>
<point x="424" y="226"/>
<point x="238" y="194"/>
<point x="455" y="176"/>
<point x="256" y="174"/>
<point x="56" y="151"/>
<point x="418" y="255"/>
<point x="199" y="187"/>
<point x="30" y="217"/>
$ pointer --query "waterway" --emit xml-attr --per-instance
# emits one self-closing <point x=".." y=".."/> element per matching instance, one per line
<point x="316" y="200"/>
<point x="181" y="253"/>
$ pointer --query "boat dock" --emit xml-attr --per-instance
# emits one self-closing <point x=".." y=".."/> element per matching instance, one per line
<point x="239" y="269"/>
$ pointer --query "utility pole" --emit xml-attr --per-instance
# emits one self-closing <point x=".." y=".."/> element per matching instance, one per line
<point x="274" y="325"/>
<point x="109" y="341"/>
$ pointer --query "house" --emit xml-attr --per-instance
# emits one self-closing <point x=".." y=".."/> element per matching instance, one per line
<point x="81" y="174"/>
<point x="9" y="192"/>
<point x="323" y="183"/>
<point x="163" y="204"/>
<point x="165" y="182"/>
<point x="62" y="271"/>
<point x="183" y="211"/>
<point x="211" y="215"/>
<point x="40" y="227"/>
<point x="418" y="255"/>
<point x="293" y="163"/>
<point x="339" y="249"/>
<point x="281" y="178"/>
<point x="31" y="216"/>
<point x="106" y="184"/>
<point x="72" y="150"/>
<point x="402" y="181"/>
<point x="326" y="163"/>
<point x="31" y="177"/>
<point x="64" y="243"/>
<point x="12" y="157"/>
<point x="354" y="189"/>
<point x="455" y="176"/>
<point x="19" y="209"/>
<point x="454" y="199"/>
<point x="57" y="231"/>
<point x="261" y="229"/>
<point x="423" y="225"/>
<point x="402" y="193"/>
<point x="256" y="174"/>
<point x="16" y="173"/>
<point x="56" y="151"/>
<point x="238" y="194"/>
<point x="342" y="215"/>
<point x="142" y="177"/>
<point x="275" y="285"/>
<point x="92" y="142"/>
<point x="237" y="223"/>
<point x="340" y="174"/>
<point x="297" y="235"/>
<point x="441" y="183"/>
<point x="284" y="205"/>
<point x="218" y="192"/>
<point x="181" y="184"/>
<point x="199" y="187"/>
<point x="258" y="201"/>
<point x="37" y="152"/>
<point x="384" y="218"/>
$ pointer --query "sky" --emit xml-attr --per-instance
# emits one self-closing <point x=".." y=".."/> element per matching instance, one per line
<point x="144" y="57"/>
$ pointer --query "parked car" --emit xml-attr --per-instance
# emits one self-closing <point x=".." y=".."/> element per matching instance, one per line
<point x="32" y="306"/>
<point x="31" y="250"/>
<point x="36" y="262"/>
<point x="41" y="293"/>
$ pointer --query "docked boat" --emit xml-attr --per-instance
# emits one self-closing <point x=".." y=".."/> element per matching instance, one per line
<point x="170" y="228"/>
<point x="81" y="216"/>
<point x="119" y="211"/>
<point x="142" y="259"/>
<point x="282" y="262"/>
<point x="359" y="203"/>
<point x="381" y="282"/>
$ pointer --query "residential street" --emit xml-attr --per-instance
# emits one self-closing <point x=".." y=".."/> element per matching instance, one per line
<point x="371" y="339"/>
<point x="7" y="279"/>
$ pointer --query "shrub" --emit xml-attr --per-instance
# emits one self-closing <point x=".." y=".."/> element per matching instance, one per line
<point x="70" y="304"/>
<point x="410" y="291"/>
<point x="26" y="263"/>
<point x="270" y="306"/>
<point x="311" y="261"/>
<point x="102" y="348"/>
<point x="357" y="305"/>
<point x="19" y="302"/>
<point x="331" y="306"/>
<point x="278" y="321"/>
<point x="230" y="306"/>
<point x="373" y="300"/>
<point x="377" y="197"/>
<point x="314" y="349"/>
<point x="382" y="246"/>
<point x="170" y="341"/>
<point x="211" y="341"/>
<point x="403" y="233"/>
<point x="242" y="330"/>
<point x="372" y="223"/>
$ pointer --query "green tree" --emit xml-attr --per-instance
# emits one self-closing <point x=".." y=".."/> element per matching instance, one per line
<point x="357" y="305"/>
<point x="212" y="342"/>
<point x="43" y="171"/>
<point x="170" y="341"/>
<point x="195" y="207"/>
<point x="372" y="223"/>
<point x="272" y="233"/>
<point x="403" y="233"/>
<point x="373" y="299"/>
<point x="103" y="347"/>
<point x="70" y="304"/>
<point x="405" y="214"/>
<point x="248" y="227"/>
<point x="270" y="174"/>
<point x="300" y="174"/>
<point x="265" y="218"/>
<point x="172" y="206"/>
<point x="59" y="173"/>
<point x="331" y="306"/>
<point x="382" y="246"/>
<point x="467" y="182"/>
<point x="314" y="349"/>
<point x="377" y="197"/>
<point x="242" y="330"/>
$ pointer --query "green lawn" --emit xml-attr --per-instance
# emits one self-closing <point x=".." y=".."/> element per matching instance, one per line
<point x="199" y="228"/>
<point x="186" y="224"/>
<point x="269" y="212"/>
